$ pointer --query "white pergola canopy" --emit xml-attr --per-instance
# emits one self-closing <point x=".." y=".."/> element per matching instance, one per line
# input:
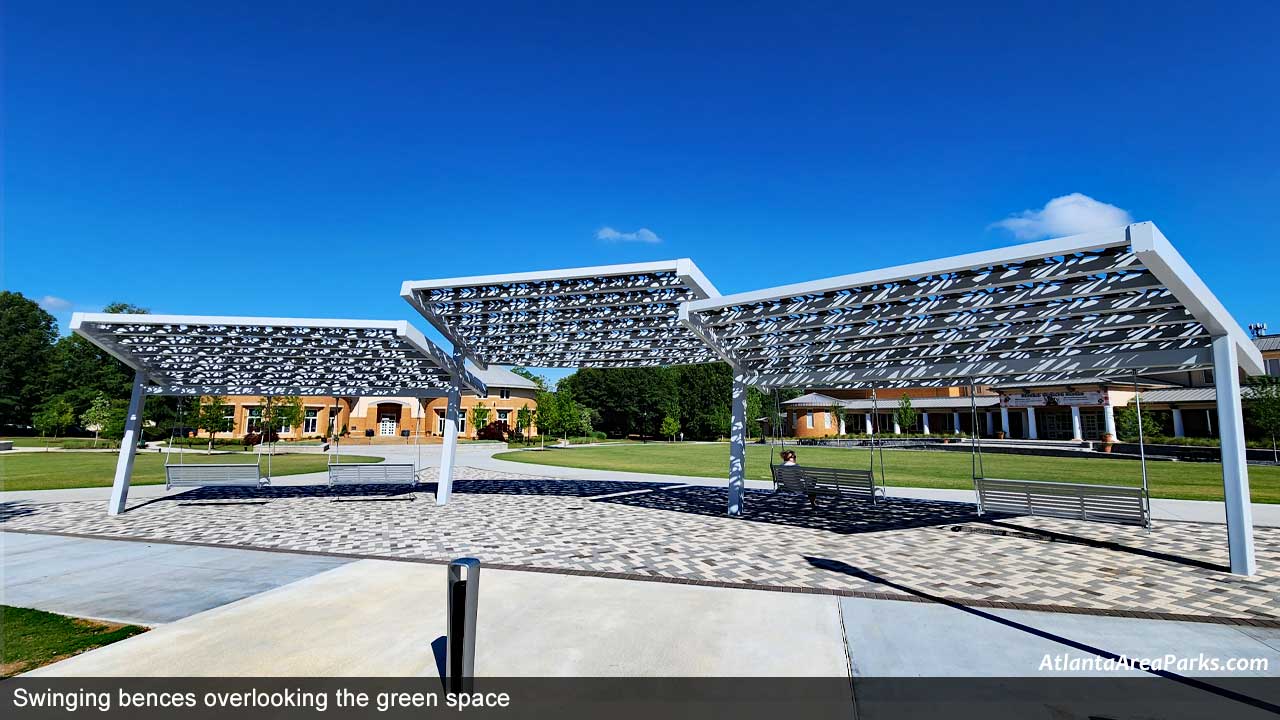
<point x="210" y="355"/>
<point x="1105" y="303"/>
<point x="607" y="316"/>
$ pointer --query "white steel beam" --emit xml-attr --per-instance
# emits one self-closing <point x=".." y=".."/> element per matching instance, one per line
<point x="1235" y="466"/>
<point x="128" y="446"/>
<point x="449" y="452"/>
<point x="738" y="444"/>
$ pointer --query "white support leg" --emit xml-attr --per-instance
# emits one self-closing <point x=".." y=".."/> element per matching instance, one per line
<point x="1031" y="424"/>
<point x="1179" y="429"/>
<point x="1109" y="419"/>
<point x="1235" y="469"/>
<point x="1077" y="428"/>
<point x="1004" y="421"/>
<point x="128" y="446"/>
<point x="449" y="453"/>
<point x="738" y="445"/>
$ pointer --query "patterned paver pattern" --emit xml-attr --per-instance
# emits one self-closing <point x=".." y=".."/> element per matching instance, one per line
<point x="902" y="548"/>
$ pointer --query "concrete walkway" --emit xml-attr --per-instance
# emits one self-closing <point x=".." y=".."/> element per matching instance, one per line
<point x="138" y="582"/>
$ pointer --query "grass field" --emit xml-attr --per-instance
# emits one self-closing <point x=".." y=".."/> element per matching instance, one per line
<point x="56" y="470"/>
<point x="913" y="468"/>
<point x="33" y="638"/>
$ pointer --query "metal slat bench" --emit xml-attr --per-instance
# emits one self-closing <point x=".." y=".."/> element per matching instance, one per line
<point x="1077" y="501"/>
<point x="814" y="481"/>
<point x="372" y="474"/>
<point x="213" y="475"/>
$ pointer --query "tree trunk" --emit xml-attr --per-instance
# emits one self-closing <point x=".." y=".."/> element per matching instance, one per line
<point x="212" y="435"/>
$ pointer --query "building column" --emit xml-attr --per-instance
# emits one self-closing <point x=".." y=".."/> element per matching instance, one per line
<point x="869" y="427"/>
<point x="1179" y="429"/>
<point x="1031" y="424"/>
<point x="1235" y="468"/>
<point x="738" y="444"/>
<point x="128" y="445"/>
<point x="840" y="422"/>
<point x="1109" y="420"/>
<point x="991" y="423"/>
<point x="924" y="422"/>
<point x="1077" y="433"/>
<point x="449" y="452"/>
<point x="1004" y="420"/>
<point x="955" y="422"/>
<point x="897" y="429"/>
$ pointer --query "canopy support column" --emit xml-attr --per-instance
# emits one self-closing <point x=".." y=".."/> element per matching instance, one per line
<point x="128" y="445"/>
<point x="738" y="444"/>
<point x="1032" y="434"/>
<point x="1077" y="427"/>
<point x="1179" y="429"/>
<point x="1109" y="419"/>
<point x="1235" y="469"/>
<point x="449" y="453"/>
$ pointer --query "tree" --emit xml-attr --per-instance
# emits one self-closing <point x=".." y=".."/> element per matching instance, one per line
<point x="54" y="417"/>
<point x="1264" y="407"/>
<point x="280" y="411"/>
<point x="27" y="336"/>
<point x="210" y="415"/>
<point x="1127" y="423"/>
<point x="905" y="414"/>
<point x="79" y="370"/>
<point x="480" y="416"/>
<point x="670" y="427"/>
<point x="538" y="380"/>
<point x="524" y="420"/>
<point x="837" y="416"/>
<point x="97" y="416"/>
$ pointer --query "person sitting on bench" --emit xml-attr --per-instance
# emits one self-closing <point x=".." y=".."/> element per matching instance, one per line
<point x="789" y="458"/>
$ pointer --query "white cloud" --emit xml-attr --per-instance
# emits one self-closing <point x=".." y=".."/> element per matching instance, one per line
<point x="53" y="303"/>
<point x="643" y="235"/>
<point x="1067" y="215"/>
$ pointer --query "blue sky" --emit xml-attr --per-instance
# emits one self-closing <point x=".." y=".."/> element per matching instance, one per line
<point x="305" y="158"/>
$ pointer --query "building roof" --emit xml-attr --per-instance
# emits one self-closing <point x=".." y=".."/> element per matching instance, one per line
<point x="1188" y="395"/>
<point x="818" y="400"/>
<point x="1267" y="343"/>
<point x="216" y="355"/>
<point x="1091" y="305"/>
<point x="606" y="316"/>
<point x="500" y="377"/>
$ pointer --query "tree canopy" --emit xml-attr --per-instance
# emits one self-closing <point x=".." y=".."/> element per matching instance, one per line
<point x="27" y="337"/>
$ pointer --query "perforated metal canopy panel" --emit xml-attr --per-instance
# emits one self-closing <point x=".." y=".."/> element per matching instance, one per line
<point x="209" y="355"/>
<point x="1101" y="304"/>
<point x="606" y="316"/>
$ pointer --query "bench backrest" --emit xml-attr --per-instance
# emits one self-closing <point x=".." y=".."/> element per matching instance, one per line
<point x="372" y="473"/>
<point x="803" y="478"/>
<point x="241" y="474"/>
<point x="1078" y="501"/>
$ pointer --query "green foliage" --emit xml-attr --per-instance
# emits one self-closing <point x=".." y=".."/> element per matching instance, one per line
<point x="559" y="414"/>
<point x="27" y="335"/>
<point x="1263" y="405"/>
<point x="1127" y="423"/>
<point x="54" y="416"/>
<point x="524" y="420"/>
<point x="98" y="415"/>
<point x="905" y="414"/>
<point x="281" y="411"/>
<point x="670" y="427"/>
<point x="480" y="416"/>
<point x="538" y="380"/>
<point x="210" y="417"/>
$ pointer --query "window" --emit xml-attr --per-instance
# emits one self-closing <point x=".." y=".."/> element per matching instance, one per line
<point x="826" y="420"/>
<point x="503" y="415"/>
<point x="1273" y="367"/>
<point x="439" y="422"/>
<point x="1208" y="377"/>
<point x="462" y="421"/>
<point x="505" y="393"/>
<point x="253" y="420"/>
<point x="334" y="414"/>
<point x="229" y="414"/>
<point x="311" y="422"/>
<point x="808" y="419"/>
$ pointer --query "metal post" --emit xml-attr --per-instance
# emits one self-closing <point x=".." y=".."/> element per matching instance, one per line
<point x="460" y="638"/>
<point x="1142" y="452"/>
<point x="1179" y="429"/>
<point x="128" y="445"/>
<point x="448" y="453"/>
<point x="738" y="444"/>
<point x="1235" y="469"/>
<point x="1077" y="432"/>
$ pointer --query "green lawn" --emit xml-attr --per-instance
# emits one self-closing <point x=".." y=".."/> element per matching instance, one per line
<point x="933" y="469"/>
<point x="33" y="638"/>
<point x="48" y="471"/>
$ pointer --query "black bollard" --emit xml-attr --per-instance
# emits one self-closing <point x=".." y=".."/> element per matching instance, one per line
<point x="460" y="644"/>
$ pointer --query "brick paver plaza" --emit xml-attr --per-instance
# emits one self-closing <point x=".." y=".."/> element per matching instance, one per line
<point x="904" y="548"/>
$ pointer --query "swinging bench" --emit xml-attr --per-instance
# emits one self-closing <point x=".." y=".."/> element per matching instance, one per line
<point x="180" y="474"/>
<point x="1119" y="504"/>
<point x="383" y="473"/>
<point x="833" y="482"/>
